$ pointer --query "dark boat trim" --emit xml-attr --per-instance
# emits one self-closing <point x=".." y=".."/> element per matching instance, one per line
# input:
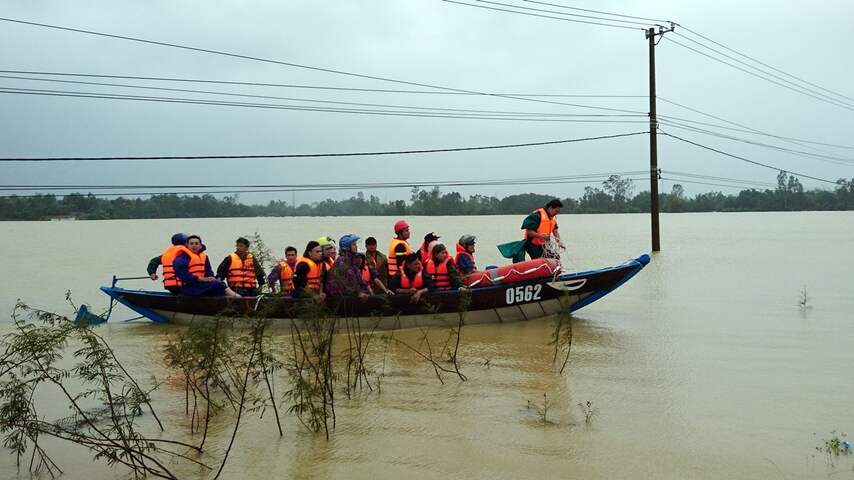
<point x="582" y="288"/>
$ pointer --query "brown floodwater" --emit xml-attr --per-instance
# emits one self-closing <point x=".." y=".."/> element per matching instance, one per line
<point x="702" y="366"/>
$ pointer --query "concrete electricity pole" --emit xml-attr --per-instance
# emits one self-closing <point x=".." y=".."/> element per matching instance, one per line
<point x="653" y="140"/>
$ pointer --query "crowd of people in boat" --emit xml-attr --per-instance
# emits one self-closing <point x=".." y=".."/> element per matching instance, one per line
<point x="326" y="269"/>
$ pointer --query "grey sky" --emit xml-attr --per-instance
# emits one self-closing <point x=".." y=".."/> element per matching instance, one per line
<point x="423" y="41"/>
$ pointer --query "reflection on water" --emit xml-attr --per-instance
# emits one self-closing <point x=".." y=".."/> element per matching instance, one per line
<point x="702" y="366"/>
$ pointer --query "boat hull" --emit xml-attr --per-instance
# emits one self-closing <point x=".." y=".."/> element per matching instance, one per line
<point x="495" y="304"/>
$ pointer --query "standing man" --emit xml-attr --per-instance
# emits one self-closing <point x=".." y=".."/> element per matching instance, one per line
<point x="539" y="227"/>
<point x="243" y="274"/>
<point x="376" y="260"/>
<point x="399" y="247"/>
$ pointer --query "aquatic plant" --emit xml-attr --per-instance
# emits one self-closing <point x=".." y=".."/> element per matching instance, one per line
<point x="803" y="301"/>
<point x="836" y="445"/>
<point x="31" y="363"/>
<point x="589" y="411"/>
<point x="561" y="337"/>
<point x="542" y="409"/>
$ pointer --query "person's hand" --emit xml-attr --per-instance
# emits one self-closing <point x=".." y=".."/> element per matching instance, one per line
<point x="363" y="296"/>
<point x="153" y="276"/>
<point x="416" y="297"/>
<point x="322" y="296"/>
<point x="388" y="292"/>
<point x="208" y="279"/>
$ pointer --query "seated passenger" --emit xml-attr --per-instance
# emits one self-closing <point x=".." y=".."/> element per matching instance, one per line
<point x="344" y="279"/>
<point x="309" y="273"/>
<point x="240" y="270"/>
<point x="194" y="271"/>
<point x="424" y="248"/>
<point x="411" y="280"/>
<point x="166" y="259"/>
<point x="282" y="273"/>
<point x="442" y="270"/>
<point x="465" y="255"/>
<point x="371" y="276"/>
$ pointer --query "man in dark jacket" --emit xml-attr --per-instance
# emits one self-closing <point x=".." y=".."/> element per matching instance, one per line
<point x="241" y="270"/>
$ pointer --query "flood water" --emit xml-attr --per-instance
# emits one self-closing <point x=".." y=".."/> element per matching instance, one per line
<point x="702" y="366"/>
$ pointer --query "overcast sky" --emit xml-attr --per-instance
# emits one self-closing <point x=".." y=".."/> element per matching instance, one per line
<point x="425" y="41"/>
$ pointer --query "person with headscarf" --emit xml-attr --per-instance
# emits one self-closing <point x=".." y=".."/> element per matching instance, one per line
<point x="345" y="276"/>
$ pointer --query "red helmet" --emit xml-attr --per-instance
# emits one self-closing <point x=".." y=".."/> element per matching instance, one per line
<point x="400" y="225"/>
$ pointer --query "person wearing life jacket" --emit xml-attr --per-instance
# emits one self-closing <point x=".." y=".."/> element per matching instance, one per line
<point x="345" y="279"/>
<point x="193" y="269"/>
<point x="377" y="260"/>
<point x="539" y="227"/>
<point x="371" y="276"/>
<point x="282" y="273"/>
<point x="424" y="248"/>
<point x="465" y="255"/>
<point x="398" y="248"/>
<point x="411" y="280"/>
<point x="165" y="259"/>
<point x="327" y="244"/>
<point x="442" y="270"/>
<point x="243" y="273"/>
<point x="309" y="273"/>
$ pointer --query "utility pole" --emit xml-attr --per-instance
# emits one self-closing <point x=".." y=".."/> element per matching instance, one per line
<point x="653" y="140"/>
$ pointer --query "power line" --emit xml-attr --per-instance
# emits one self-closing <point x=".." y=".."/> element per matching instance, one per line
<point x="397" y="184"/>
<point x="314" y="155"/>
<point x="303" y="86"/>
<point x="274" y="106"/>
<point x="795" y="141"/>
<point x="311" y="100"/>
<point x="765" y="64"/>
<point x="541" y="16"/>
<point x="743" y="159"/>
<point x="597" y="11"/>
<point x="765" y="72"/>
<point x="702" y="183"/>
<point x="841" y="105"/>
<point x="755" y="132"/>
<point x="816" y="156"/>
<point x="531" y="9"/>
<point x="278" y="190"/>
<point x="278" y="62"/>
<point x="725" y="179"/>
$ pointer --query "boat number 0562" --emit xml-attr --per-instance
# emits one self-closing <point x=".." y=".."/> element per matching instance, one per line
<point x="521" y="294"/>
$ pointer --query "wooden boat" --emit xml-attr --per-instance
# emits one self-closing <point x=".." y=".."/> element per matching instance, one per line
<point x="525" y="300"/>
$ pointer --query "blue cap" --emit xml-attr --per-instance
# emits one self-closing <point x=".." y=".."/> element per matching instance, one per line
<point x="179" y="239"/>
<point x="348" y="240"/>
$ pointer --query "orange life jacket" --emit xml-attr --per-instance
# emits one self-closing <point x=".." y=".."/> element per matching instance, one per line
<point x="328" y="262"/>
<point x="547" y="227"/>
<point x="462" y="252"/>
<point x="241" y="272"/>
<point x="366" y="275"/>
<point x="418" y="282"/>
<point x="197" y="262"/>
<point x="392" y="256"/>
<point x="286" y="277"/>
<point x="439" y="274"/>
<point x="315" y="273"/>
<point x="425" y="254"/>
<point x="167" y="261"/>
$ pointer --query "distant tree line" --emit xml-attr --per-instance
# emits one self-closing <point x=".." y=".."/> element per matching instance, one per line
<point x="614" y="196"/>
